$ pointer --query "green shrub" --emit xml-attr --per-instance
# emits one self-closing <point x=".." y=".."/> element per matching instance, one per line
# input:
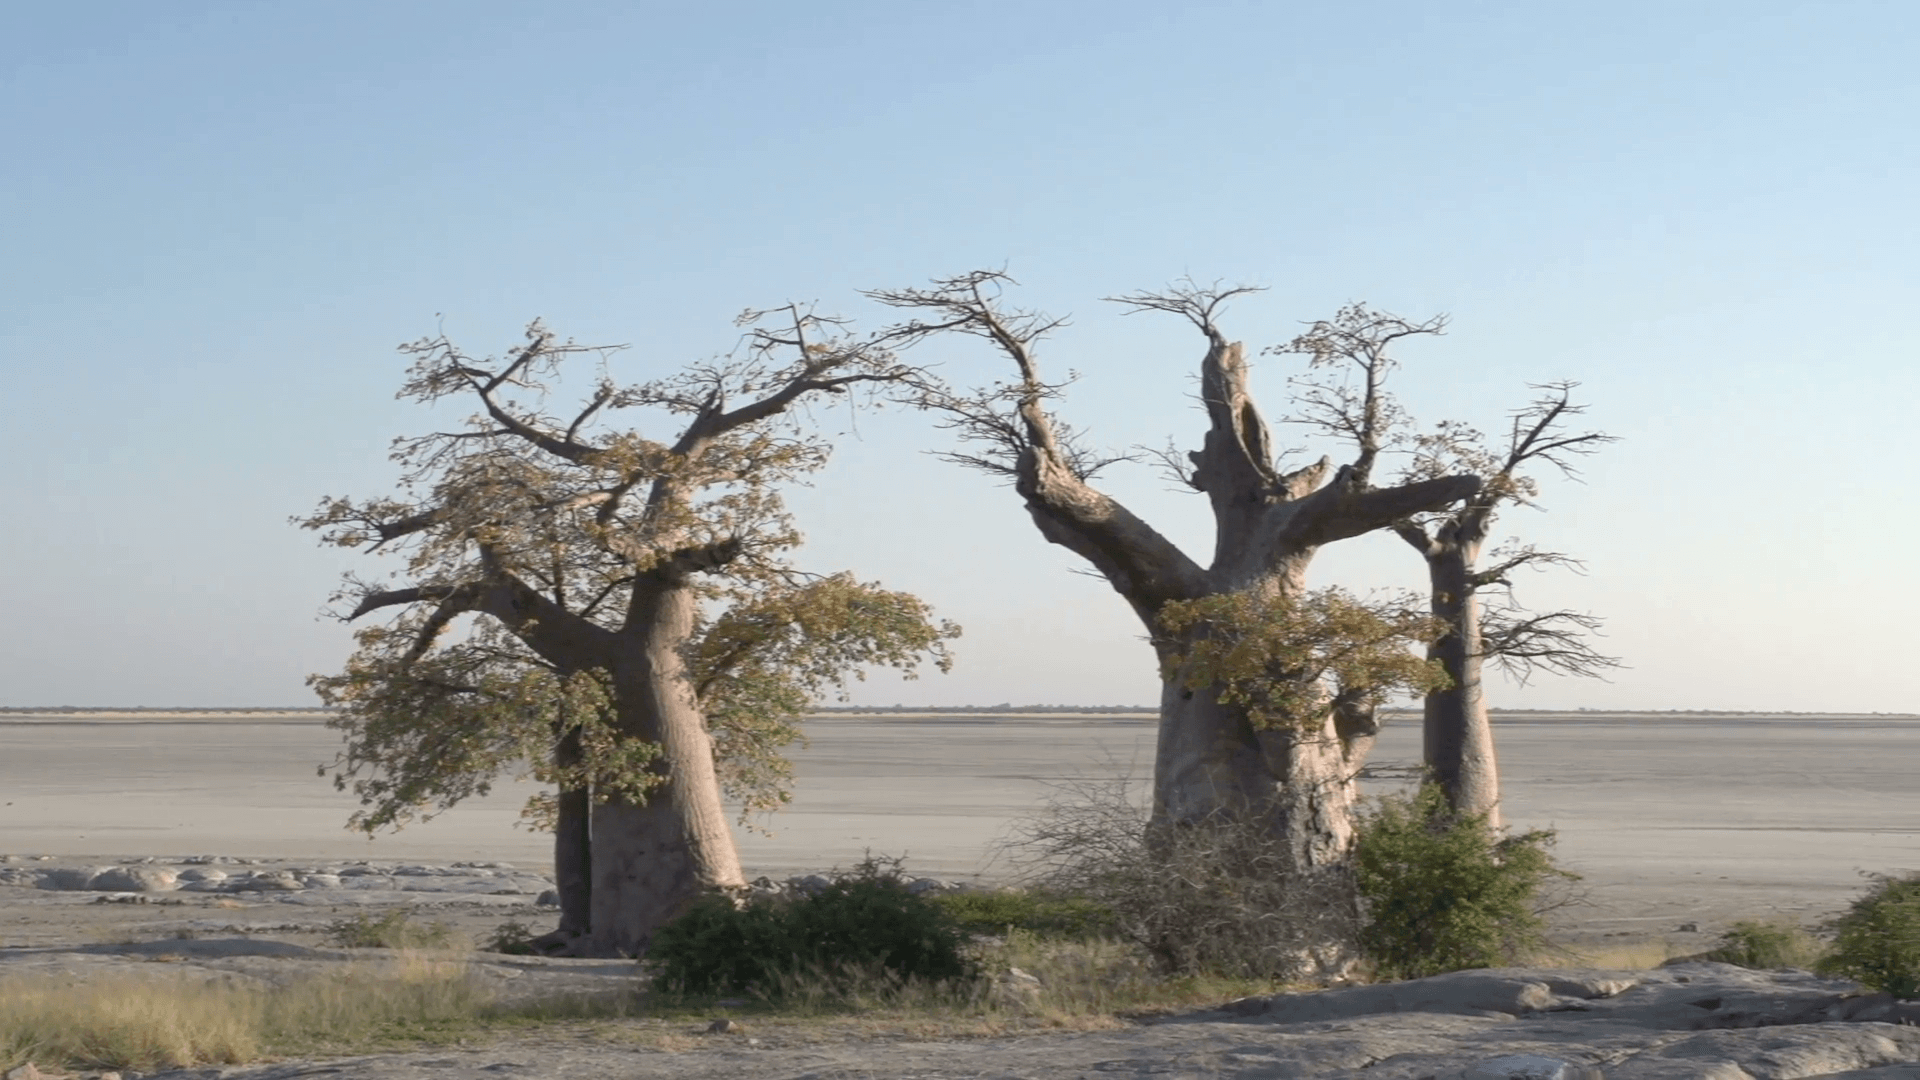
<point x="513" y="938"/>
<point x="1445" y="893"/>
<point x="864" y="924"/>
<point x="1766" y="946"/>
<point x="1877" y="942"/>
<point x="1041" y="912"/>
<point x="394" y="930"/>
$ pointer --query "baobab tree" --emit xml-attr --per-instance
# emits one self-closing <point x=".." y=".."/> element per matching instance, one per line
<point x="1457" y="734"/>
<point x="1228" y="743"/>
<point x="634" y="605"/>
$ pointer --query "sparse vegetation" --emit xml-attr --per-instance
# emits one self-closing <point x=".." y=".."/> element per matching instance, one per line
<point x="1877" y="942"/>
<point x="151" y="1023"/>
<point x="393" y="930"/>
<point x="1216" y="899"/>
<point x="1767" y="946"/>
<point x="513" y="938"/>
<point x="1444" y="892"/>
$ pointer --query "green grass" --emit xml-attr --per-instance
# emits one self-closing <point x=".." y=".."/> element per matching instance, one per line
<point x="1035" y="911"/>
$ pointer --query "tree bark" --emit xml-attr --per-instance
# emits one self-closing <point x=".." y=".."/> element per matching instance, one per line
<point x="652" y="857"/>
<point x="1457" y="733"/>
<point x="572" y="844"/>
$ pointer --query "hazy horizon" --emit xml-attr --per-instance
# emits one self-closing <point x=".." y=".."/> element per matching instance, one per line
<point x="223" y="218"/>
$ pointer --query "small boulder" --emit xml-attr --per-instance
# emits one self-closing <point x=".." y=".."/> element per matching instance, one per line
<point x="134" y="879"/>
<point x="266" y="881"/>
<point x="71" y="879"/>
<point x="812" y="884"/>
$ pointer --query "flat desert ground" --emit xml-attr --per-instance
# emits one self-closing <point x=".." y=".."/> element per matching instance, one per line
<point x="1670" y="818"/>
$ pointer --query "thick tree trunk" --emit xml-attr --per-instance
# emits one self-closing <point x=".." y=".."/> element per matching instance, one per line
<point x="651" y="858"/>
<point x="1211" y="761"/>
<point x="1458" y="734"/>
<point x="572" y="845"/>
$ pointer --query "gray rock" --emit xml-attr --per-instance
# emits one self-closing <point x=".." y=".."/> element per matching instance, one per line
<point x="71" y="879"/>
<point x="550" y="898"/>
<point x="265" y="881"/>
<point x="320" y="881"/>
<point x="1469" y="992"/>
<point x="201" y="873"/>
<point x="812" y="884"/>
<point x="1530" y="1067"/>
<point x="134" y="879"/>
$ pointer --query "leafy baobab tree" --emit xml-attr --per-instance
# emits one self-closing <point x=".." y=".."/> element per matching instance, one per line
<point x="1457" y="735"/>
<point x="1228" y="743"/>
<point x="631" y="603"/>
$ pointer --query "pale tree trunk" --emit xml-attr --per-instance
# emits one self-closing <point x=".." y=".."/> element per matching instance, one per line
<point x="651" y="859"/>
<point x="1211" y="760"/>
<point x="1457" y="733"/>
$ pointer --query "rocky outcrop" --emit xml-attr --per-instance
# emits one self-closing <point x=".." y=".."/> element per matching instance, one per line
<point x="205" y="874"/>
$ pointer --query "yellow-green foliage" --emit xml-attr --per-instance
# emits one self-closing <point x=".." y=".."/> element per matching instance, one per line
<point x="1445" y="893"/>
<point x="1280" y="658"/>
<point x="1877" y="942"/>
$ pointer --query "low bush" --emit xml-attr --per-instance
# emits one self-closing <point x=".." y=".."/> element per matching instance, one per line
<point x="864" y="927"/>
<point x="1767" y="946"/>
<point x="1042" y="913"/>
<point x="394" y="930"/>
<point x="512" y="938"/>
<point x="1442" y="892"/>
<point x="1877" y="942"/>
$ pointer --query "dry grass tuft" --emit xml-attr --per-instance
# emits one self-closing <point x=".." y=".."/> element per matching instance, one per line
<point x="128" y="1022"/>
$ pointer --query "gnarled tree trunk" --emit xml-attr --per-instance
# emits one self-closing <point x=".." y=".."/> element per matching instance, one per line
<point x="651" y="858"/>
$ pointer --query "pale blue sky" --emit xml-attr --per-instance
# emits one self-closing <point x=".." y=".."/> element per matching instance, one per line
<point x="216" y="221"/>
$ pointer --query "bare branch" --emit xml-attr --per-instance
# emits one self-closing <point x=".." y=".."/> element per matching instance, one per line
<point x="1344" y="391"/>
<point x="1523" y="644"/>
<point x="1024" y="441"/>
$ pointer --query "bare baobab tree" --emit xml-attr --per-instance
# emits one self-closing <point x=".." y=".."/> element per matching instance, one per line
<point x="634" y="606"/>
<point x="1457" y="733"/>
<point x="1242" y="731"/>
